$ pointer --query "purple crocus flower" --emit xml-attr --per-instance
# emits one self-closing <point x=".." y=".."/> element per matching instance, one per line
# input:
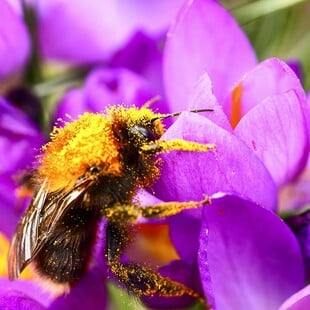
<point x="264" y="107"/>
<point x="254" y="98"/>
<point x="14" y="40"/>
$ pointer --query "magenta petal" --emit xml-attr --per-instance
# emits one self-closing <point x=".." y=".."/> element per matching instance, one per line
<point x="84" y="32"/>
<point x="19" y="139"/>
<point x="232" y="167"/>
<point x="149" y="53"/>
<point x="14" y="40"/>
<point x="248" y="258"/>
<point x="91" y="31"/>
<point x="90" y="293"/>
<point x="185" y="241"/>
<point x="296" y="66"/>
<point x="152" y="16"/>
<point x="19" y="142"/>
<point x="204" y="38"/>
<point x="276" y="131"/>
<point x="299" y="301"/>
<point x="71" y="105"/>
<point x="27" y="289"/>
<point x="203" y="98"/>
<point x="16" y="300"/>
<point x="105" y="87"/>
<point x="270" y="77"/>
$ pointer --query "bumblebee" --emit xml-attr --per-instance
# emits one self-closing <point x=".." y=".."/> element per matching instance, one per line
<point x="91" y="169"/>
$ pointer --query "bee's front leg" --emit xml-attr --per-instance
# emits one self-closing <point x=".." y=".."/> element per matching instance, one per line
<point x="129" y="213"/>
<point x="170" y="208"/>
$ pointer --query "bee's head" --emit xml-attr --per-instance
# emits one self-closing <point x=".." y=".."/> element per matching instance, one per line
<point x="136" y="127"/>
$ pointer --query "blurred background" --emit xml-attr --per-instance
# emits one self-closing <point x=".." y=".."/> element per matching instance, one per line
<point x="276" y="29"/>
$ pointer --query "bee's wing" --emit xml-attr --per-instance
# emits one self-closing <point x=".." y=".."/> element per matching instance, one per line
<point x="37" y="223"/>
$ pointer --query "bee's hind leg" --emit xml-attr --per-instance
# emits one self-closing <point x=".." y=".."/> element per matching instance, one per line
<point x="138" y="279"/>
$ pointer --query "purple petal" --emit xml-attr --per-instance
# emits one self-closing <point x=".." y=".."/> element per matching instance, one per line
<point x="84" y="32"/>
<point x="19" y="142"/>
<point x="14" y="40"/>
<point x="9" y="214"/>
<point x="202" y="97"/>
<point x="186" y="243"/>
<point x="90" y="293"/>
<point x="26" y="289"/>
<point x="105" y="87"/>
<point x="276" y="131"/>
<point x="204" y="38"/>
<point x="231" y="167"/>
<point x="91" y="31"/>
<point x="72" y="104"/>
<point x="15" y="300"/>
<point x="18" y="139"/>
<point x="151" y="16"/>
<point x="248" y="258"/>
<point x="299" y="301"/>
<point x="270" y="77"/>
<point x="296" y="66"/>
<point x="148" y="52"/>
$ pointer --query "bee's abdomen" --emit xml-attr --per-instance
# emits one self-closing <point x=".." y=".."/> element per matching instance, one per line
<point x="66" y="253"/>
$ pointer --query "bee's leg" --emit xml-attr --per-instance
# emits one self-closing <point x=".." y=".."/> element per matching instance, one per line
<point x="139" y="280"/>
<point x="130" y="213"/>
<point x="171" y="208"/>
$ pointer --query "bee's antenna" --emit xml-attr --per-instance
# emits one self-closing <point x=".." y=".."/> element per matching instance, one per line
<point x="163" y="116"/>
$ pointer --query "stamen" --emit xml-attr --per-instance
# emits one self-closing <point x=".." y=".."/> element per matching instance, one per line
<point x="236" y="106"/>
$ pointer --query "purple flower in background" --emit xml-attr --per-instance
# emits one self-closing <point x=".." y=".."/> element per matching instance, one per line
<point x="14" y="40"/>
<point x="105" y="87"/>
<point x="19" y="142"/>
<point x="91" y="31"/>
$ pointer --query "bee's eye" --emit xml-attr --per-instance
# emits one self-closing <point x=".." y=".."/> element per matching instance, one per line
<point x="142" y="133"/>
<point x="94" y="169"/>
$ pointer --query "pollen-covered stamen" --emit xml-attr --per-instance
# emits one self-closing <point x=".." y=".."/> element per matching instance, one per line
<point x="78" y="146"/>
<point x="236" y="106"/>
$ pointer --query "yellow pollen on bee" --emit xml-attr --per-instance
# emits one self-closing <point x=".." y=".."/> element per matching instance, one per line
<point x="88" y="141"/>
<point x="134" y="115"/>
<point x="180" y="145"/>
